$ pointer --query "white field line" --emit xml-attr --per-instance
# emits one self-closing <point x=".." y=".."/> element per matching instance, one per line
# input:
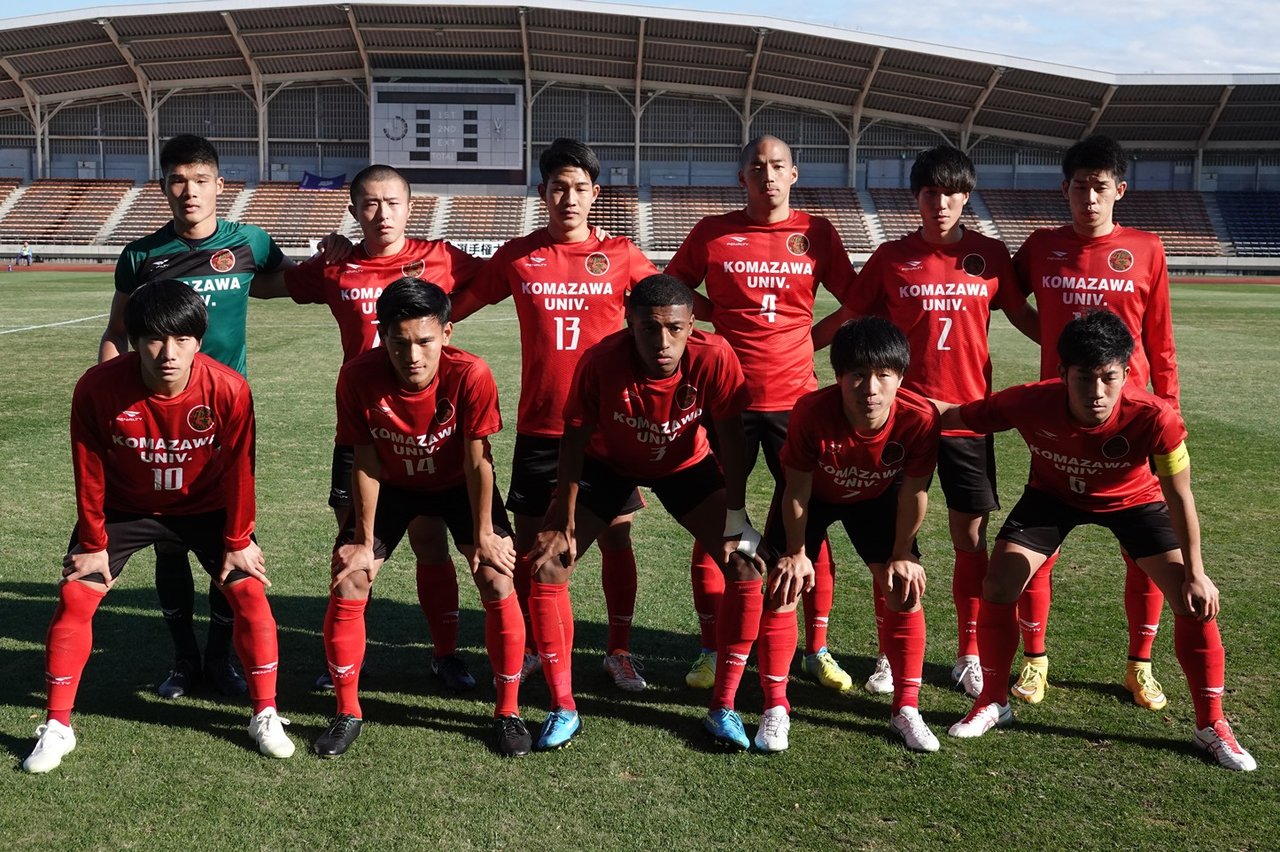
<point x="53" y="324"/>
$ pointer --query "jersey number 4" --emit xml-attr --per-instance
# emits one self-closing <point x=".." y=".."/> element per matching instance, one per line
<point x="426" y="465"/>
<point x="769" y="306"/>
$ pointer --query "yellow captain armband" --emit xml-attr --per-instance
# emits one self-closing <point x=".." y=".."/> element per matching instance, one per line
<point x="1175" y="462"/>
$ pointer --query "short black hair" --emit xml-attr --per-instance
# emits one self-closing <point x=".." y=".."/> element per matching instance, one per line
<point x="165" y="308"/>
<point x="749" y="149"/>
<point x="187" y="150"/>
<point x="411" y="298"/>
<point x="565" y="153"/>
<point x="659" y="291"/>
<point x="1096" y="152"/>
<point x="869" y="343"/>
<point x="943" y="166"/>
<point x="377" y="172"/>
<point x="1095" y="340"/>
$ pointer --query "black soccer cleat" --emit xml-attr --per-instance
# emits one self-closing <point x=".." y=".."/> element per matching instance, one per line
<point x="452" y="671"/>
<point x="342" y="732"/>
<point x="511" y="737"/>
<point x="182" y="680"/>
<point x="223" y="675"/>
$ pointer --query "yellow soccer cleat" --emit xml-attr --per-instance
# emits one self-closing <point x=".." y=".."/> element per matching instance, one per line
<point x="702" y="674"/>
<point x="1032" y="680"/>
<point x="823" y="668"/>
<point x="1146" y="690"/>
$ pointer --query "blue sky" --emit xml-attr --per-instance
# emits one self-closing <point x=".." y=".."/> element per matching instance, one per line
<point x="1138" y="36"/>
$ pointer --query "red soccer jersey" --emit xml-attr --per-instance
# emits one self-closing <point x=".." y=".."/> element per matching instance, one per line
<point x="941" y="297"/>
<point x="137" y="452"/>
<point x="569" y="296"/>
<point x="850" y="466"/>
<point x="1124" y="272"/>
<point x="1100" y="469"/>
<point x="649" y="428"/>
<point x="762" y="280"/>
<point x="351" y="288"/>
<point x="420" y="436"/>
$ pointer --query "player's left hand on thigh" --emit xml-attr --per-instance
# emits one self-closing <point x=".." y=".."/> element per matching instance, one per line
<point x="77" y="566"/>
<point x="1201" y="597"/>
<point x="554" y="548"/>
<point x="496" y="551"/>
<point x="904" y="580"/>
<point x="249" y="560"/>
<point x="350" y="558"/>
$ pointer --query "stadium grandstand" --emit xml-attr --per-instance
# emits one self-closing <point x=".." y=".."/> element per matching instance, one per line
<point x="464" y="96"/>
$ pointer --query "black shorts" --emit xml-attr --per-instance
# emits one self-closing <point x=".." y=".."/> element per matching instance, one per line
<point x="967" y="471"/>
<point x="127" y="533"/>
<point x="344" y="457"/>
<point x="605" y="491"/>
<point x="397" y="507"/>
<point x="870" y="525"/>
<point x="534" y="467"/>
<point x="1041" y="522"/>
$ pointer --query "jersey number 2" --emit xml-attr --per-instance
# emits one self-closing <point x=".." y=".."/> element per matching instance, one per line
<point x="944" y="334"/>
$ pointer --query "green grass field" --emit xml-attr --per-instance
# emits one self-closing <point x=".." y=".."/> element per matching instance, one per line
<point x="1084" y="769"/>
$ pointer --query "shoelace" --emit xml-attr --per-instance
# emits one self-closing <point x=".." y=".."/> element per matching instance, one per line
<point x="1148" y="683"/>
<point x="1030" y="678"/>
<point x="512" y="725"/>
<point x="1224" y="734"/>
<point x="772" y="725"/>
<point x="630" y="665"/>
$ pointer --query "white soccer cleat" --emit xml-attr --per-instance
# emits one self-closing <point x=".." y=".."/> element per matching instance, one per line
<point x="1220" y="742"/>
<point x="54" y="740"/>
<point x="625" y="671"/>
<point x="982" y="719"/>
<point x="913" y="731"/>
<point x="532" y="662"/>
<point x="967" y="675"/>
<point x="881" y="680"/>
<point x="774" y="731"/>
<point x="267" y="730"/>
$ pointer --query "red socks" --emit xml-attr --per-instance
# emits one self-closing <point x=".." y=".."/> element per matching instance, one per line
<point x="1033" y="608"/>
<point x="504" y="640"/>
<point x="877" y="599"/>
<point x="708" y="591"/>
<point x="344" y="638"/>
<point x="522" y="579"/>
<point x="1198" y="646"/>
<point x="1142" y="604"/>
<point x="438" y="597"/>
<point x="552" y="615"/>
<point x="774" y="652"/>
<point x="254" y="636"/>
<point x="817" y="603"/>
<point x="618" y="578"/>
<point x="966" y="590"/>
<point x="737" y="626"/>
<point x="68" y="645"/>
<point x="904" y="645"/>
<point x="997" y="643"/>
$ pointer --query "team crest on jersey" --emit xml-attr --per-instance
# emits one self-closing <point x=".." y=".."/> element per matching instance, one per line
<point x="414" y="269"/>
<point x="974" y="264"/>
<point x="597" y="263"/>
<point x="1120" y="260"/>
<point x="893" y="453"/>
<point x="1116" y="448"/>
<point x="686" y="396"/>
<point x="200" y="418"/>
<point x="223" y="260"/>
<point x="798" y="244"/>
<point x="444" y="411"/>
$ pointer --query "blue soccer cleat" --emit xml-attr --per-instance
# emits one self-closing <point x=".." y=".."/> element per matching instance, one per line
<point x="560" y="727"/>
<point x="725" y="727"/>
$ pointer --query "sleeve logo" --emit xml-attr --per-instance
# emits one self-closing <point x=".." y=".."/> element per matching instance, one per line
<point x="597" y="263"/>
<point x="1120" y="260"/>
<point x="414" y="269"/>
<point x="798" y="244"/>
<point x="223" y="260"/>
<point x="974" y="264"/>
<point x="200" y="418"/>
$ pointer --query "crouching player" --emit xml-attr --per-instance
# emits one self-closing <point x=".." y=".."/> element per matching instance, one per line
<point x="1094" y="438"/>
<point x="860" y="452"/>
<point x="418" y="413"/>
<point x="162" y="445"/>
<point x="634" y="417"/>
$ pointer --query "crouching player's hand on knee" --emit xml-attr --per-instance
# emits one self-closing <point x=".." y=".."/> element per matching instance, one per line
<point x="77" y="566"/>
<point x="249" y="560"/>
<point x="790" y="577"/>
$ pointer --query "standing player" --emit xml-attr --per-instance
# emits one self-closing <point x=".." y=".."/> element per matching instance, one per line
<point x="634" y="417"/>
<point x="381" y="203"/>
<point x="860" y="452"/>
<point x="162" y="445"/>
<point x="762" y="266"/>
<point x="219" y="260"/>
<point x="939" y="285"/>
<point x="1095" y="440"/>
<point x="1095" y="263"/>
<point x="419" y="414"/>
<point x="569" y="288"/>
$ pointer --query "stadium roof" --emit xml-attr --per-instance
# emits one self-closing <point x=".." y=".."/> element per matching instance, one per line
<point x="144" y="52"/>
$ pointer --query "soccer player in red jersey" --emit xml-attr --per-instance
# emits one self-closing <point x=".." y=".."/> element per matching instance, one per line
<point x="381" y="202"/>
<point x="1096" y="263"/>
<point x="634" y="417"/>
<point x="939" y="285"/>
<point x="762" y="266"/>
<point x="1095" y="439"/>
<point x="162" y="446"/>
<point x="419" y="414"/>
<point x="569" y="287"/>
<point x="860" y="452"/>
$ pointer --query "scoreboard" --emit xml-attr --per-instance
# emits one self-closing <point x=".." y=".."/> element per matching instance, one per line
<point x="450" y="126"/>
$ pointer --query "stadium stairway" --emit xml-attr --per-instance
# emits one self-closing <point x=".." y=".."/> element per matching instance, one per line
<point x="12" y="199"/>
<point x="874" y="227"/>
<point x="1219" y="223"/>
<point x="117" y="215"/>
<point x="644" y="215"/>
<point x="985" y="223"/>
<point x="241" y="204"/>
